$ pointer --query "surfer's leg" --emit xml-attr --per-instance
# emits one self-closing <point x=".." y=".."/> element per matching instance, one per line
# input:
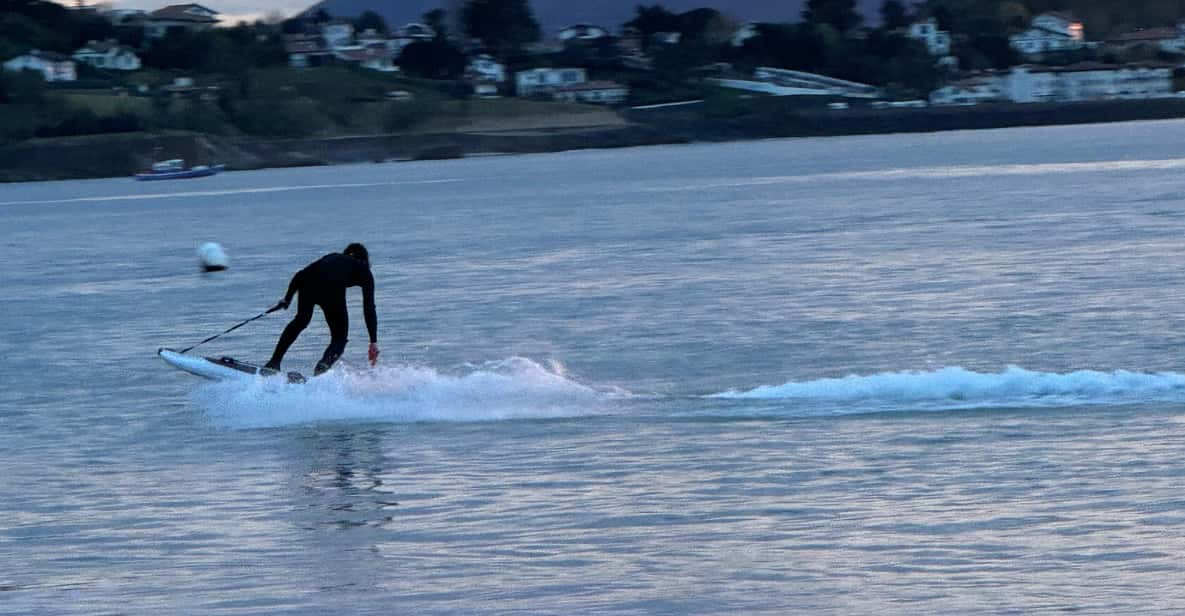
<point x="304" y="314"/>
<point x="337" y="317"/>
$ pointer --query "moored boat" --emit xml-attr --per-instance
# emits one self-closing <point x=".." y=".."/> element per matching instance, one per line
<point x="175" y="169"/>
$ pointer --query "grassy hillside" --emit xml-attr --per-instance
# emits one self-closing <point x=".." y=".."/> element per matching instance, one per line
<point x="282" y="103"/>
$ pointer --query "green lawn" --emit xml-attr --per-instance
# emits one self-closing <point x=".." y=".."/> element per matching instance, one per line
<point x="108" y="104"/>
<point x="517" y="108"/>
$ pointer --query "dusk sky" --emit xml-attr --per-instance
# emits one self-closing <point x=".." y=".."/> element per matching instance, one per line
<point x="552" y="14"/>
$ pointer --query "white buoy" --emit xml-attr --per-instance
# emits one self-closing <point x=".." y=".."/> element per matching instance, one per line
<point x="212" y="257"/>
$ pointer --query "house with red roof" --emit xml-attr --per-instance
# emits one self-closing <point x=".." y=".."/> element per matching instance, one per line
<point x="192" y="17"/>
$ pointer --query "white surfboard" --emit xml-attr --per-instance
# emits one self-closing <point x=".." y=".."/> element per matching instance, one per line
<point x="219" y="368"/>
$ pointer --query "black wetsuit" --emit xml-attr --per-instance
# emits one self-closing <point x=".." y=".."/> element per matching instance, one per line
<point x="323" y="283"/>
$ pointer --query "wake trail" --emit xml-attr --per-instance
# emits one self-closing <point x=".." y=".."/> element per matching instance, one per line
<point x="521" y="389"/>
<point x="226" y="191"/>
<point x="958" y="388"/>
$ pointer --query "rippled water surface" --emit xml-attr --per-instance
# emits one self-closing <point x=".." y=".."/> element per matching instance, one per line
<point x="894" y="374"/>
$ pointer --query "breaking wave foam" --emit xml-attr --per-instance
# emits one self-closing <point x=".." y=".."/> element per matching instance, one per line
<point x="514" y="388"/>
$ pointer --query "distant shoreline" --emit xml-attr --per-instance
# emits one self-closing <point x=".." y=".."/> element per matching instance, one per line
<point x="121" y="154"/>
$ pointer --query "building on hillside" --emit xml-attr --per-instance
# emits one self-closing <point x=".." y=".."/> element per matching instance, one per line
<point x="483" y="68"/>
<point x="1055" y="31"/>
<point x="416" y="31"/>
<point x="369" y="37"/>
<point x="937" y="41"/>
<point x="745" y="32"/>
<point x="192" y="17"/>
<point x="337" y="33"/>
<point x="600" y="92"/>
<point x="305" y="50"/>
<point x="374" y="57"/>
<point x="1086" y="81"/>
<point x="408" y="34"/>
<point x="109" y="55"/>
<point x="52" y="66"/>
<point x="1168" y="40"/>
<point x="983" y="88"/>
<point x="543" y="81"/>
<point x="582" y="33"/>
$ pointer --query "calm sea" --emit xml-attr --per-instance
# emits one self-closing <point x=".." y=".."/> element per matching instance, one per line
<point x="872" y="375"/>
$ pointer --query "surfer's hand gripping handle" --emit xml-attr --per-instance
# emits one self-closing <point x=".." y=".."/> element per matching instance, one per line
<point x="280" y="305"/>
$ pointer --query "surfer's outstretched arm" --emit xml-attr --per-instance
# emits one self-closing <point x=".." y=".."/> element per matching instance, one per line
<point x="368" y="310"/>
<point x="368" y="314"/>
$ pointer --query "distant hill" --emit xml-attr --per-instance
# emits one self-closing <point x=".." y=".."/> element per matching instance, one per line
<point x="556" y="14"/>
<point x="1102" y="17"/>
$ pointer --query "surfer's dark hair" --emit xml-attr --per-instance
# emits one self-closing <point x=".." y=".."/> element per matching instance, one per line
<point x="358" y="251"/>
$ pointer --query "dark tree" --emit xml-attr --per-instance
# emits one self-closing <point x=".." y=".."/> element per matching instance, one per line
<point x="894" y="15"/>
<point x="319" y="16"/>
<point x="437" y="19"/>
<point x="797" y="46"/>
<point x="370" y="20"/>
<point x="295" y="25"/>
<point x="435" y="59"/>
<point x="839" y="14"/>
<point x="694" y="24"/>
<point x="505" y="26"/>
<point x="988" y="51"/>
<point x="22" y="87"/>
<point x="651" y="20"/>
<point x="179" y="49"/>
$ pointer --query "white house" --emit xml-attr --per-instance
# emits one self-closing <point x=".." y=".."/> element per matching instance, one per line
<point x="602" y="92"/>
<point x="1176" y="44"/>
<point x="484" y="68"/>
<point x="582" y="33"/>
<point x="1088" y="81"/>
<point x="937" y="41"/>
<point x="337" y="33"/>
<point x="52" y="66"/>
<point x="1058" y="22"/>
<point x="1054" y="31"/>
<point x="194" y="17"/>
<point x="370" y="36"/>
<point x="306" y="50"/>
<point x="408" y="34"/>
<point x="540" y="81"/>
<point x="108" y="54"/>
<point x="745" y="32"/>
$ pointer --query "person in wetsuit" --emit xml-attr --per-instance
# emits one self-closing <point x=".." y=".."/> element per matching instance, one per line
<point x="323" y="283"/>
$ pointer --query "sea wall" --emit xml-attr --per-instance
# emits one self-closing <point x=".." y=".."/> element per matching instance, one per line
<point x="124" y="154"/>
<point x="778" y="118"/>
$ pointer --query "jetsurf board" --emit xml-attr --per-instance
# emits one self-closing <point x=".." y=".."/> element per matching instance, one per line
<point x="220" y="368"/>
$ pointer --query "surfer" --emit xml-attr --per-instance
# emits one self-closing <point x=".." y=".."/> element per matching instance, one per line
<point x="323" y="283"/>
